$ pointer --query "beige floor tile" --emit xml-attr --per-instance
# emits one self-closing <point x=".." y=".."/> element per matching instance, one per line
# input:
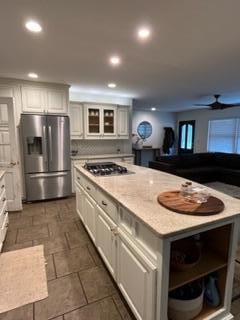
<point x="53" y="244"/>
<point x="65" y="294"/>
<point x="20" y="222"/>
<point x="97" y="284"/>
<point x="50" y="269"/>
<point x="102" y="310"/>
<point x="45" y="218"/>
<point x="238" y="255"/>
<point x="22" y="313"/>
<point x="122" y="307"/>
<point x="32" y="233"/>
<point x="17" y="246"/>
<point x="69" y="216"/>
<point x="11" y="237"/>
<point x="77" y="238"/>
<point x="62" y="227"/>
<point x="236" y="281"/>
<point x="33" y="210"/>
<point x="74" y="260"/>
<point x="95" y="255"/>
<point x="236" y="308"/>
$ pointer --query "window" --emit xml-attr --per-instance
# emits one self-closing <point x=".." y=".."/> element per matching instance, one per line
<point x="224" y="136"/>
<point x="186" y="136"/>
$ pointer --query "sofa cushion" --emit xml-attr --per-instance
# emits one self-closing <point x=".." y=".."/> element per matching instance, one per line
<point x="196" y="160"/>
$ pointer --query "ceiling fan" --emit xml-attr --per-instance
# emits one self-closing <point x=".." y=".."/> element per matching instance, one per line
<point x="217" y="105"/>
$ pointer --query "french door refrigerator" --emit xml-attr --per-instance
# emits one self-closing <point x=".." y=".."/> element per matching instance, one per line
<point x="46" y="149"/>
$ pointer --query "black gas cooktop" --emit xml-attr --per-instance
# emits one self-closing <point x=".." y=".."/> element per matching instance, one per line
<point x="106" y="169"/>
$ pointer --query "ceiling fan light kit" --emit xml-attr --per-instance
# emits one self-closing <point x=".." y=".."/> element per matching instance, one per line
<point x="218" y="105"/>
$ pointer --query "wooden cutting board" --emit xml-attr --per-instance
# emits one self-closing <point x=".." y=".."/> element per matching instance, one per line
<point x="173" y="200"/>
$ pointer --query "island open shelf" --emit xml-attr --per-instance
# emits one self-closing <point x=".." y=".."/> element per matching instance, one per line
<point x="214" y="259"/>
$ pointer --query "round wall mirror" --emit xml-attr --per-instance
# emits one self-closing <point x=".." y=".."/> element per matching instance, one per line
<point x="144" y="129"/>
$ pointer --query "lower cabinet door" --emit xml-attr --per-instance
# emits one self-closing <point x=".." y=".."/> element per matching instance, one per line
<point x="106" y="240"/>
<point x="136" y="279"/>
<point x="89" y="216"/>
<point x="80" y="202"/>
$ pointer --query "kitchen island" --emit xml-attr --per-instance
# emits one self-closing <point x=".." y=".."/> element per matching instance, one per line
<point x="135" y="235"/>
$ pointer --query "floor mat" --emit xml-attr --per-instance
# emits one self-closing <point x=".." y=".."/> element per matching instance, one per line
<point x="22" y="278"/>
<point x="229" y="189"/>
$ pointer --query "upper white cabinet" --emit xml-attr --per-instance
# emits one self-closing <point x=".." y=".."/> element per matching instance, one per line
<point x="41" y="99"/>
<point x="106" y="122"/>
<point x="123" y="122"/>
<point x="100" y="121"/>
<point x="76" y="121"/>
<point x="56" y="101"/>
<point x="34" y="99"/>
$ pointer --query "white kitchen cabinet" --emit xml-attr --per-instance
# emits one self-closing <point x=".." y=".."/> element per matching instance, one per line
<point x="57" y="101"/>
<point x="3" y="212"/>
<point x="106" y="240"/>
<point x="100" y="122"/>
<point x="138" y="283"/>
<point x="123" y="122"/>
<point x="34" y="99"/>
<point x="41" y="99"/>
<point x="89" y="208"/>
<point x="80" y="202"/>
<point x="76" y="121"/>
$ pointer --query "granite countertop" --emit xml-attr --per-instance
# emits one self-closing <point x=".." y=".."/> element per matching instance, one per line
<point x="138" y="193"/>
<point x="101" y="156"/>
<point x="1" y="173"/>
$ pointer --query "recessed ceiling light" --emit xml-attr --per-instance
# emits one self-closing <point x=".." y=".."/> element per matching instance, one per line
<point x="112" y="85"/>
<point x="115" y="60"/>
<point x="33" y="75"/>
<point x="153" y="109"/>
<point x="33" y="26"/>
<point x="144" y="33"/>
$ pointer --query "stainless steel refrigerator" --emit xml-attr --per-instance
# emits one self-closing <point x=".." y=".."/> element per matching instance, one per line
<point x="46" y="149"/>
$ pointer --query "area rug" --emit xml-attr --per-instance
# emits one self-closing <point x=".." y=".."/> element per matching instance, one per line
<point x="22" y="278"/>
<point x="229" y="189"/>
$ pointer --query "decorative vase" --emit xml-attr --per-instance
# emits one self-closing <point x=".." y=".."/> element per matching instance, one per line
<point x="212" y="294"/>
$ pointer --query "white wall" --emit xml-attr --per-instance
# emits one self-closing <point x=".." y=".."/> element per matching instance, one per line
<point x="202" y="117"/>
<point x="98" y="98"/>
<point x="158" y="120"/>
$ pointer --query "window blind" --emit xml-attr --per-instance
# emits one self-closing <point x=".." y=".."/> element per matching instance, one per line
<point x="224" y="136"/>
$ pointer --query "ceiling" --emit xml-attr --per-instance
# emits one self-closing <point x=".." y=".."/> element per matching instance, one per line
<point x="194" y="51"/>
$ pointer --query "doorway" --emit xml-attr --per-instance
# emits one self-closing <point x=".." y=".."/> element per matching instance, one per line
<point x="186" y="136"/>
<point x="9" y="161"/>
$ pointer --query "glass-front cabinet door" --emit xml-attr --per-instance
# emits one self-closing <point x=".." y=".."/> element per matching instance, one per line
<point x="93" y="123"/>
<point x="109" y="120"/>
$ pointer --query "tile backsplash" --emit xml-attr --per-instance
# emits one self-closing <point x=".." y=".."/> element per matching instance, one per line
<point x="95" y="147"/>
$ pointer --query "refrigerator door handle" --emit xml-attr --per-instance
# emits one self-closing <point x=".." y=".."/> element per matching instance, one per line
<point x="50" y="142"/>
<point x="44" y="144"/>
<point x="47" y="175"/>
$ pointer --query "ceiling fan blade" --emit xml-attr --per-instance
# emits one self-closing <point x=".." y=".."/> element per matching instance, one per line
<point x="201" y="105"/>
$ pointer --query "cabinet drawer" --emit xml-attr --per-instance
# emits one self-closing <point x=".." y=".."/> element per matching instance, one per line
<point x="88" y="187"/>
<point x="78" y="177"/>
<point x="108" y="205"/>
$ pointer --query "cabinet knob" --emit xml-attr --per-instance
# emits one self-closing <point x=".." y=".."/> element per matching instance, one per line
<point x="2" y="186"/>
<point x="78" y="178"/>
<point x="89" y="188"/>
<point x="3" y="199"/>
<point x="104" y="203"/>
<point x="115" y="231"/>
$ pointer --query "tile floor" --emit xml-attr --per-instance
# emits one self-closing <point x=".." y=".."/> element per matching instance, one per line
<point x="79" y="285"/>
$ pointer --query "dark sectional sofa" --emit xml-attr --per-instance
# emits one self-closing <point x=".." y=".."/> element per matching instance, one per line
<point x="202" y="167"/>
